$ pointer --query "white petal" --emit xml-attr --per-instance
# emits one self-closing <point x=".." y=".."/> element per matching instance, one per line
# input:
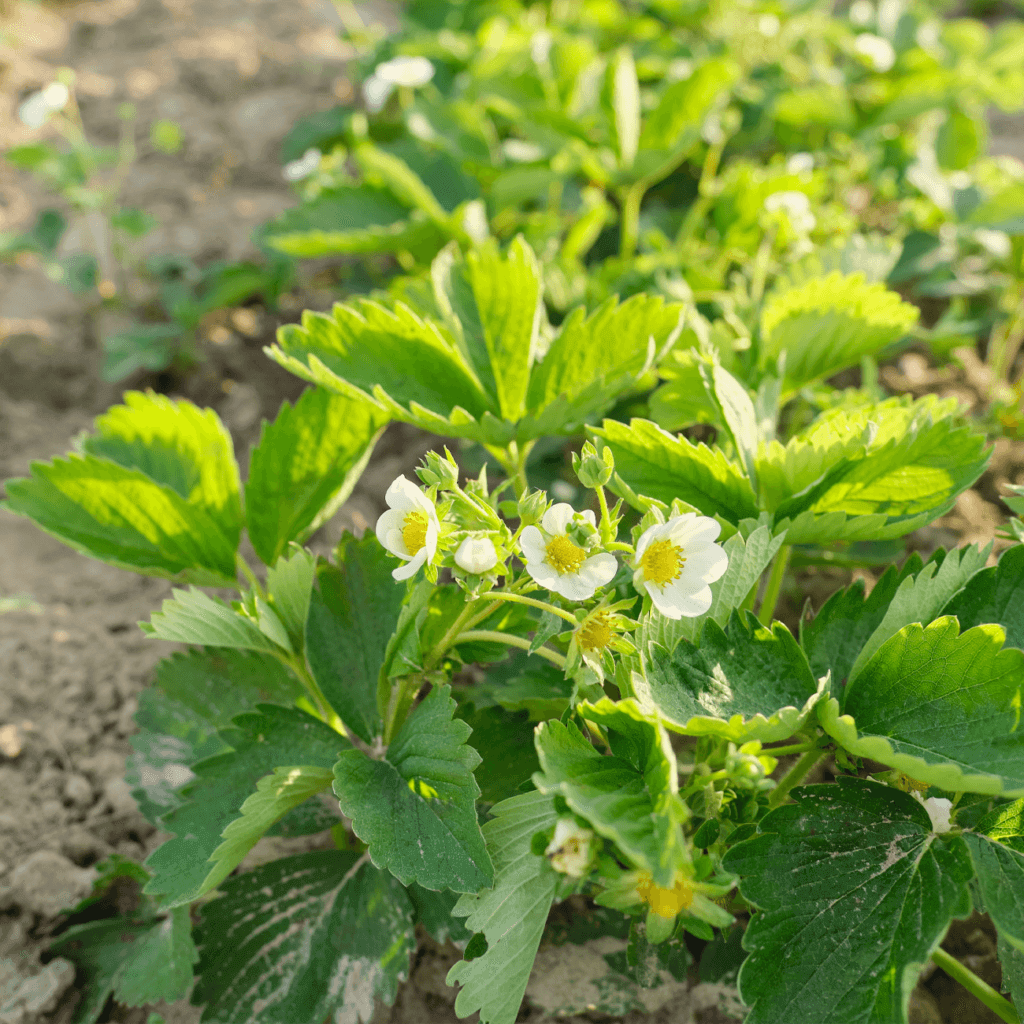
<point x="476" y="555"/>
<point x="388" y="523"/>
<point x="406" y="496"/>
<point x="558" y="517"/>
<point x="430" y="541"/>
<point x="543" y="574"/>
<point x="403" y="572"/>
<point x="599" y="569"/>
<point x="704" y="563"/>
<point x="691" y="529"/>
<point x="573" y="587"/>
<point x="639" y="582"/>
<point x="396" y="544"/>
<point x="531" y="543"/>
<point x="674" y="601"/>
<point x="655" y="532"/>
<point x="588" y="515"/>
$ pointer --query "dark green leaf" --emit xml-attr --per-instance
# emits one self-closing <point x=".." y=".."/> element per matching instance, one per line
<point x="507" y="740"/>
<point x="996" y="595"/>
<point x="434" y="912"/>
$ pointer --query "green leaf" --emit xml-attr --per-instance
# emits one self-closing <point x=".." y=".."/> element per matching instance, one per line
<point x="655" y="464"/>
<point x="593" y="359"/>
<point x="354" y="218"/>
<point x="260" y="742"/>
<point x="826" y="324"/>
<point x="1011" y="960"/>
<point x="316" y="937"/>
<point x="511" y="915"/>
<point x="676" y="122"/>
<point x="921" y="598"/>
<point x="406" y="364"/>
<point x="305" y="465"/>
<point x="941" y="706"/>
<point x="539" y="688"/>
<point x="136" y="961"/>
<point x="996" y="595"/>
<point x="193" y="617"/>
<point x="854" y="893"/>
<point x="624" y="100"/>
<point x="415" y="809"/>
<point x="290" y="588"/>
<point x="434" y="912"/>
<point x="123" y="518"/>
<point x="997" y="849"/>
<point x="629" y="797"/>
<point x="748" y="559"/>
<point x="141" y="347"/>
<point x="178" y="445"/>
<point x="1002" y="212"/>
<point x="736" y="411"/>
<point x="352" y="616"/>
<point x="747" y="683"/>
<point x="493" y="307"/>
<point x="507" y="738"/>
<point x="401" y="179"/>
<point x="195" y="695"/>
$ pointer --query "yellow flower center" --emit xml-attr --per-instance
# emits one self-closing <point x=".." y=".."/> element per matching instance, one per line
<point x="662" y="562"/>
<point x="595" y="633"/>
<point x="414" y="531"/>
<point x="665" y="902"/>
<point x="563" y="555"/>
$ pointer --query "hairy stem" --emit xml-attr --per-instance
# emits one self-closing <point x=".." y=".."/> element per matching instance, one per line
<point x="500" y="595"/>
<point x="774" y="586"/>
<point x="795" y="776"/>
<point x="979" y="989"/>
<point x="795" y="748"/>
<point x="469" y="616"/>
<point x="513" y="641"/>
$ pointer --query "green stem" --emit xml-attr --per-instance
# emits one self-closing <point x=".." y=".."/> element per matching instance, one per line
<point x="606" y="519"/>
<point x="499" y="595"/>
<point x="795" y="776"/>
<point x="464" y="618"/>
<point x="513" y="641"/>
<point x="981" y="990"/>
<point x="629" y="229"/>
<point x="774" y="586"/>
<point x="795" y="748"/>
<point x="246" y="570"/>
<point x="706" y="194"/>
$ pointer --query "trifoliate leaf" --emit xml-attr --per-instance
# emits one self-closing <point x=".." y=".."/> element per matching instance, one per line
<point x="997" y="849"/>
<point x="654" y="464"/>
<point x="493" y="307"/>
<point x="631" y="800"/>
<point x="178" y="445"/>
<point x="356" y="218"/>
<point x="748" y="559"/>
<point x="995" y="594"/>
<point x="195" y="695"/>
<point x="352" y="616"/>
<point x="415" y="809"/>
<point x="854" y="891"/>
<point x="305" y="465"/>
<point x="316" y="937"/>
<point x="826" y="324"/>
<point x="744" y="684"/>
<point x="193" y="617"/>
<point x="434" y="912"/>
<point x="940" y="706"/>
<point x="136" y="961"/>
<point x="507" y="739"/>
<point x="124" y="518"/>
<point x="593" y="359"/>
<point x="511" y="915"/>
<point x="260" y="742"/>
<point x="920" y="598"/>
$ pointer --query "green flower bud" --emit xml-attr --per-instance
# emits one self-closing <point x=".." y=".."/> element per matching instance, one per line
<point x="532" y="506"/>
<point x="591" y="468"/>
<point x="439" y="471"/>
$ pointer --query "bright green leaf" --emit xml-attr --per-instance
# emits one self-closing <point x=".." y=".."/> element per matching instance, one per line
<point x="193" y="617"/>
<point x="290" y="587"/>
<point x="305" y="465"/>
<point x="416" y="808"/>
<point x="736" y="410"/>
<point x="676" y="122"/>
<point x="624" y="99"/>
<point x="997" y="849"/>
<point x="996" y="595"/>
<point x="854" y="891"/>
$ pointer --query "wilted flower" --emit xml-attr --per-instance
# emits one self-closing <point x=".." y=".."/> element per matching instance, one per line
<point x="675" y="562"/>
<point x="296" y="170"/>
<point x="556" y="559"/>
<point x="409" y="528"/>
<point x="476" y="555"/>
<point x="878" y="51"/>
<point x="938" y="808"/>
<point x="570" y="850"/>
<point x="36" y="110"/>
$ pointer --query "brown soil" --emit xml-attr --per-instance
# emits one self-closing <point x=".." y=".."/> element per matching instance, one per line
<point x="235" y="74"/>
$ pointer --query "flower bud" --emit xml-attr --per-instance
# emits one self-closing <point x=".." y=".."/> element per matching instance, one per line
<point x="570" y="850"/>
<point x="476" y="555"/>
<point x="593" y="469"/>
<point x="440" y="471"/>
<point x="532" y="507"/>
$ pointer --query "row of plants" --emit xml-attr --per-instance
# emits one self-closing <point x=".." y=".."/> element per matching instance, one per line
<point x="502" y="699"/>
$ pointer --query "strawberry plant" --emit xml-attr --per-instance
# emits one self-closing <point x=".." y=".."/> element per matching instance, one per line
<point x="497" y="700"/>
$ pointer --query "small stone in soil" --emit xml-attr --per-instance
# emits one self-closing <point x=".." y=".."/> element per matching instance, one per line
<point x="78" y="790"/>
<point x="47" y="883"/>
<point x="118" y="795"/>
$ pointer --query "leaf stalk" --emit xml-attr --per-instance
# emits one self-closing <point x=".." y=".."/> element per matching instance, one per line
<point x="981" y="990"/>
<point x="512" y="641"/>
<point x="795" y="776"/>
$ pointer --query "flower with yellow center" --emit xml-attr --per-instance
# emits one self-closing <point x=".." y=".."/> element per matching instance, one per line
<point x="409" y="528"/>
<point x="555" y="560"/>
<point x="665" y="902"/>
<point x="675" y="562"/>
<point x="596" y="633"/>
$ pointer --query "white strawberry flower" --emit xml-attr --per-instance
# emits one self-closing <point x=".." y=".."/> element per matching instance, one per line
<point x="476" y="555"/>
<point x="409" y="528"/>
<point x="569" y="850"/>
<point x="555" y="560"/>
<point x="938" y="808"/>
<point x="675" y="562"/>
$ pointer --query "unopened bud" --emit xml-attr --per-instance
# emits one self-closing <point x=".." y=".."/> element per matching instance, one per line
<point x="532" y="507"/>
<point x="440" y="471"/>
<point x="476" y="555"/>
<point x="570" y="850"/>
<point x="593" y="469"/>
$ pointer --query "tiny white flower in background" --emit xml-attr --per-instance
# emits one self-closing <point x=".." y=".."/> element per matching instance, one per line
<point x="476" y="555"/>
<point x="796" y="207"/>
<point x="768" y="25"/>
<point x="474" y="220"/>
<point x="36" y="110"/>
<point x="800" y="163"/>
<point x="375" y="93"/>
<point x="938" y="808"/>
<point x="876" y="49"/>
<point x="296" y="170"/>
<point x="862" y="12"/>
<point x="409" y="528"/>
<point x="675" y="562"/>
<point x="410" y="72"/>
<point x="557" y="562"/>
<point x="569" y="849"/>
<point x="540" y="46"/>
<point x="522" y="152"/>
<point x="996" y="242"/>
